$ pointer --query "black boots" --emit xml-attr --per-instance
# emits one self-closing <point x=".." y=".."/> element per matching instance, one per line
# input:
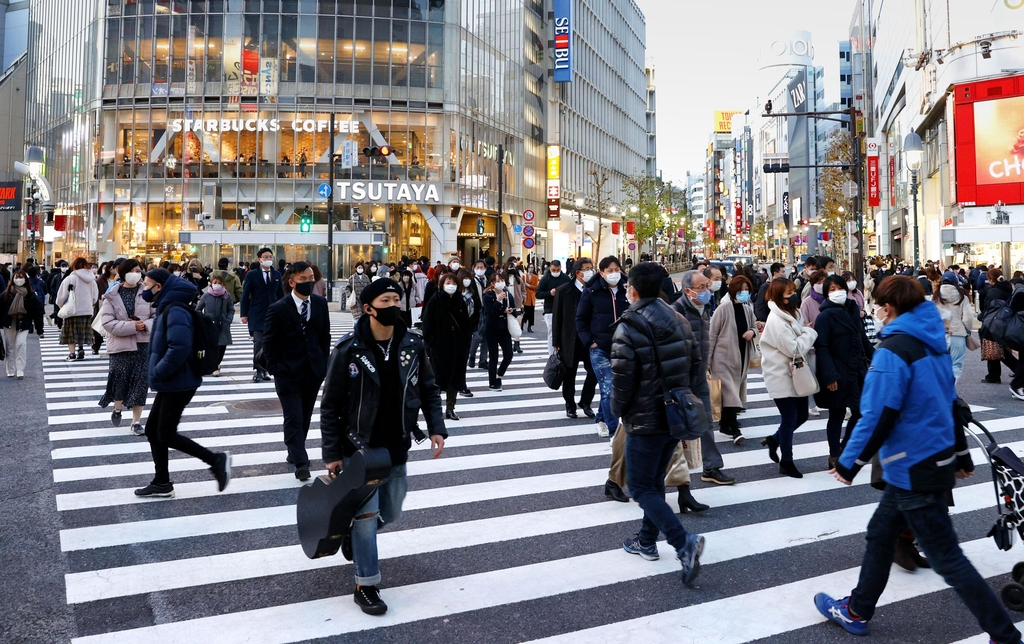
<point x="789" y="469"/>
<point x="614" y="492"/>
<point x="686" y="501"/>
<point x="773" y="447"/>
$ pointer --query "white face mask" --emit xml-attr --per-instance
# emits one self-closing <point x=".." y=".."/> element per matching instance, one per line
<point x="177" y="273"/>
<point x="63" y="269"/>
<point x="359" y="270"/>
<point x="19" y="281"/>
<point x="949" y="293"/>
<point x="613" y="278"/>
<point x="480" y="272"/>
<point x="466" y="282"/>
<point x="555" y="273"/>
<point x="880" y="315"/>
<point x="838" y="297"/>
<point x="455" y="266"/>
<point x="499" y="286"/>
<point x="406" y="278"/>
<point x="831" y="272"/>
<point x="216" y="289"/>
<point x="587" y="276"/>
<point x="132" y="278"/>
<point x="851" y="285"/>
<point x="716" y="286"/>
<point x="817" y="288"/>
<point x="450" y="288"/>
<point x="267" y="263"/>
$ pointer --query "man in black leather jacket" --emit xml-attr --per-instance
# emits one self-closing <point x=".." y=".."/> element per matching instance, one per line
<point x="648" y="334"/>
<point x="378" y="380"/>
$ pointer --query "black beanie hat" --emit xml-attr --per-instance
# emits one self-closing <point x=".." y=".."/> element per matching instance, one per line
<point x="159" y="275"/>
<point x="223" y="263"/>
<point x="378" y="287"/>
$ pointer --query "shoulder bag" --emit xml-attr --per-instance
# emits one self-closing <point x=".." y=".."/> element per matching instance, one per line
<point x="514" y="329"/>
<point x="554" y="372"/>
<point x="68" y="309"/>
<point x="804" y="382"/>
<point x="684" y="411"/>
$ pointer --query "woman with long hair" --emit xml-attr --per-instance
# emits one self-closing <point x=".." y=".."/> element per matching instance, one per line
<point x="127" y="318"/>
<point x="958" y="316"/>
<point x="815" y="296"/>
<point x="76" y="332"/>
<point x="731" y="348"/>
<point x="496" y="311"/>
<point x="786" y="339"/>
<point x="19" y="312"/>
<point x="410" y="301"/>
<point x="216" y="304"/>
<point x="319" y="283"/>
<point x="530" y="280"/>
<point x="446" y="332"/>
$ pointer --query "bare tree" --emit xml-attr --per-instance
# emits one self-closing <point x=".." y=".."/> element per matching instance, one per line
<point x="597" y="183"/>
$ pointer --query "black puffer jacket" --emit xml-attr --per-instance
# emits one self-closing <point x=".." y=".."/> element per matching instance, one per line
<point x="843" y="354"/>
<point x="636" y="390"/>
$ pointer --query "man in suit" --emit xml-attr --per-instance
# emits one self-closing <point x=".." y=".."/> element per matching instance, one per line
<point x="260" y="289"/>
<point x="567" y="341"/>
<point x="296" y="343"/>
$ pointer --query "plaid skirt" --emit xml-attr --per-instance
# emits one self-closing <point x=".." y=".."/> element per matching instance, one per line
<point x="77" y="330"/>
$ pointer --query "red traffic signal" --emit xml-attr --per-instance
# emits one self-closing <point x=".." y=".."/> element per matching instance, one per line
<point x="375" y="151"/>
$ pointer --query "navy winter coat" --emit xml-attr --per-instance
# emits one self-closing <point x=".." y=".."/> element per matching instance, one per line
<point x="597" y="313"/>
<point x="170" y="343"/>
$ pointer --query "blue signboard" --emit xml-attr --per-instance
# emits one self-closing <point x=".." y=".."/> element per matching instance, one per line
<point x="564" y="19"/>
<point x="324" y="190"/>
<point x="517" y="228"/>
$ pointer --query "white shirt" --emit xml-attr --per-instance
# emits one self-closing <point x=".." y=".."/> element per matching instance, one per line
<point x="298" y="305"/>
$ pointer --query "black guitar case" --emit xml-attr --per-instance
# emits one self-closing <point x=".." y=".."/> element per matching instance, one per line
<point x="326" y="506"/>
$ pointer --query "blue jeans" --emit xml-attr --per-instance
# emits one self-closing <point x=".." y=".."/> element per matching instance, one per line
<point x="647" y="458"/>
<point x="602" y="366"/>
<point x="957" y="351"/>
<point x="794" y="413"/>
<point x="384" y="507"/>
<point x="928" y="516"/>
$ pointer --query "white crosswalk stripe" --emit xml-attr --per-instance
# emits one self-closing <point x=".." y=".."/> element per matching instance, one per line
<point x="513" y="512"/>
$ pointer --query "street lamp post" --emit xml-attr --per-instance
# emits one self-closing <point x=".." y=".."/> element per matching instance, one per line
<point x="579" y="226"/>
<point x="914" y="152"/>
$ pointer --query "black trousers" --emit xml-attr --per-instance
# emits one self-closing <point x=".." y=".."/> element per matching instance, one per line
<point x="451" y="397"/>
<point x="580" y="354"/>
<point x="298" y="396"/>
<point x="220" y="354"/>
<point x="494" y="339"/>
<point x="257" y="344"/>
<point x="162" y="432"/>
<point x="529" y="315"/>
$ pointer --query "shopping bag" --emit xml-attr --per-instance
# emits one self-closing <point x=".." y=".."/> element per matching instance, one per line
<point x="691" y="449"/>
<point x="97" y="325"/>
<point x="514" y="329"/>
<point x="972" y="343"/>
<point x="68" y="309"/>
<point x="715" y="385"/>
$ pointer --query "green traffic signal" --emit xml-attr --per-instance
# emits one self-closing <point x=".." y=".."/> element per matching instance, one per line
<point x="305" y="223"/>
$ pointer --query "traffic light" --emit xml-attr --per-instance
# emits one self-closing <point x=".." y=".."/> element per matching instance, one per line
<point x="305" y="221"/>
<point x="768" y="107"/>
<point x="776" y="166"/>
<point x="479" y="225"/>
<point x="375" y="151"/>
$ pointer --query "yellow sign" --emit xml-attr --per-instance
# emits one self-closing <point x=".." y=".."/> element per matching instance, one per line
<point x="554" y="162"/>
<point x="723" y="120"/>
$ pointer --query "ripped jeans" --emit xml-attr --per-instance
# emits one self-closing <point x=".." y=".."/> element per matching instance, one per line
<point x="384" y="507"/>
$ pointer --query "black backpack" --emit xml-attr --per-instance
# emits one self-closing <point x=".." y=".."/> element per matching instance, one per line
<point x="205" y="341"/>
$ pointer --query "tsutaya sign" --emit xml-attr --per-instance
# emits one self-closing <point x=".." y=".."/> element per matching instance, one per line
<point x="263" y="125"/>
<point x="388" y="191"/>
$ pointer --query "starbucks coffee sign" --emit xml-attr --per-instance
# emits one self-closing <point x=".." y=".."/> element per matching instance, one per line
<point x="388" y="192"/>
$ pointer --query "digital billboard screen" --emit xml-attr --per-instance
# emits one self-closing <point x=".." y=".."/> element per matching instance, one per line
<point x="989" y="139"/>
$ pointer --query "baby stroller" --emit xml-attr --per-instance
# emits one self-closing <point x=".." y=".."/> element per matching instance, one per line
<point x="1008" y="479"/>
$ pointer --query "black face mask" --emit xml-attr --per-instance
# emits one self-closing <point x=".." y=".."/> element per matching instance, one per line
<point x="305" y="289"/>
<point x="794" y="301"/>
<point x="388" y="315"/>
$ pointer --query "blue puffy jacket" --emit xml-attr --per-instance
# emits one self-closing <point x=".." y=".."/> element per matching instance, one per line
<point x="598" y="312"/>
<point x="170" y="343"/>
<point x="907" y="407"/>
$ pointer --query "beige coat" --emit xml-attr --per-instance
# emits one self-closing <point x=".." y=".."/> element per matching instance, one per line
<point x="724" y="353"/>
<point x="783" y="338"/>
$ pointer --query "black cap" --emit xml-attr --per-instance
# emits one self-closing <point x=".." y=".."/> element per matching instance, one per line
<point x="378" y="287"/>
<point x="159" y="275"/>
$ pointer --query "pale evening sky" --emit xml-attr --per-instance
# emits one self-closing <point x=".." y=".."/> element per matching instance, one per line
<point x="705" y="58"/>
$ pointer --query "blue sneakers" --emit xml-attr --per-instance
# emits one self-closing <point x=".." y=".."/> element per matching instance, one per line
<point x="634" y="547"/>
<point x="839" y="612"/>
<point x="689" y="557"/>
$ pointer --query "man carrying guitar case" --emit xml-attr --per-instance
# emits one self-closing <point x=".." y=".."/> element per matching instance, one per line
<point x="378" y="380"/>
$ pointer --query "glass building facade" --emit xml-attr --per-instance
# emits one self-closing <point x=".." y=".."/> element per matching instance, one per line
<point x="155" y="113"/>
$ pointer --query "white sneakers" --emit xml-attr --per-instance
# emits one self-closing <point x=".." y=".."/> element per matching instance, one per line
<point x="602" y="430"/>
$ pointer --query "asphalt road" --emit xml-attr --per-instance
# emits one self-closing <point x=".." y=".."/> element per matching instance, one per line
<point x="506" y="538"/>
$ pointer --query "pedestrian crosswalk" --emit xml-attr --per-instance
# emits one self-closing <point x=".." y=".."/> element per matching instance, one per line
<point x="507" y="537"/>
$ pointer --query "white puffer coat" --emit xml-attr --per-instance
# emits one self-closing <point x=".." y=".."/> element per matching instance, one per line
<point x="784" y="337"/>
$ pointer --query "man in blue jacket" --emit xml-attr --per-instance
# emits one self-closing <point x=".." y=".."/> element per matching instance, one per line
<point x="260" y="289"/>
<point x="907" y="406"/>
<point x="602" y="301"/>
<point x="171" y="377"/>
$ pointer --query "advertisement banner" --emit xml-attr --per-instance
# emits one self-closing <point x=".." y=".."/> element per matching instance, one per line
<point x="999" y="141"/>
<point x="190" y="69"/>
<point x="250" y="83"/>
<point x="989" y="136"/>
<point x="10" y="195"/>
<point x="348" y="154"/>
<point x="892" y="177"/>
<point x="723" y="120"/>
<point x="874" y="182"/>
<point x="563" y="22"/>
<point x="268" y="77"/>
<point x="232" y="66"/>
<point x="554" y="182"/>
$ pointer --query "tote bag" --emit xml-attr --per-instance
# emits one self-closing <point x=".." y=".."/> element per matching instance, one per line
<point x="514" y="329"/>
<point x="804" y="382"/>
<point x="68" y="310"/>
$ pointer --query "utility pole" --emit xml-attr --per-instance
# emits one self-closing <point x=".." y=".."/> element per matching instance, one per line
<point x="330" y="219"/>
<point x="501" y="198"/>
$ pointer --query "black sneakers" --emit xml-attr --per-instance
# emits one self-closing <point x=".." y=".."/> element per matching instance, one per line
<point x="222" y="470"/>
<point x="115" y="418"/>
<point x="156" y="491"/>
<point x="368" y="599"/>
<point x="138" y="429"/>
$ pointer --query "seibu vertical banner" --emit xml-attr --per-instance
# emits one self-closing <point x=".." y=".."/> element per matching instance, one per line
<point x="874" y="182"/>
<point x="564" y="19"/>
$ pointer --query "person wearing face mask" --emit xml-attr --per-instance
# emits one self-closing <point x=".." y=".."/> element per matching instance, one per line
<point x="419" y="280"/>
<point x="546" y="289"/>
<point x="410" y="302"/>
<point x="296" y="346"/>
<point x="517" y="295"/>
<point x="19" y="312"/>
<point x="715" y="286"/>
<point x="816" y="296"/>
<point x="602" y="302"/>
<point x="196" y="276"/>
<point x="567" y="342"/>
<point x="378" y="380"/>
<point x="803" y="280"/>
<point x="261" y="288"/>
<point x="216" y="304"/>
<point x="760" y="300"/>
<point x="357" y="281"/>
<point x="232" y="284"/>
<point x="496" y="311"/>
<point x="731" y="348"/>
<point x="171" y="377"/>
<point x="958" y="316"/>
<point x="127" y="320"/>
<point x="478" y="344"/>
<point x="473" y="299"/>
<point x="530" y="282"/>
<point x="785" y="338"/>
<point x="77" y="328"/>
<point x="854" y="293"/>
<point x="447" y="330"/>
<point x="842" y="355"/>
